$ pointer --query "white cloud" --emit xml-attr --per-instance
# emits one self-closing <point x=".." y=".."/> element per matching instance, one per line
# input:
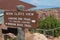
<point x="35" y="2"/>
<point x="44" y="2"/>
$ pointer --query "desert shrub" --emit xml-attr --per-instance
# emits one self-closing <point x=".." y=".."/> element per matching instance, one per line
<point x="50" y="23"/>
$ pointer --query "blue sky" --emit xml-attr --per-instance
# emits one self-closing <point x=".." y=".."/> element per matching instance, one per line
<point x="41" y="4"/>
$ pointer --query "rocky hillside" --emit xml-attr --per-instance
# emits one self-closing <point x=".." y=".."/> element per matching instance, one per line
<point x="49" y="11"/>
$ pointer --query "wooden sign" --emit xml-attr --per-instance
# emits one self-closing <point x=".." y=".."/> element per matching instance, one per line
<point x="24" y="19"/>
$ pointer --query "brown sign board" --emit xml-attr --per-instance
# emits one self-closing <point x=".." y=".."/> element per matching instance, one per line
<point x="24" y="19"/>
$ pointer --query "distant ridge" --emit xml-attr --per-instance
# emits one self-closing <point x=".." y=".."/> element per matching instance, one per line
<point x="35" y="9"/>
<point x="50" y="8"/>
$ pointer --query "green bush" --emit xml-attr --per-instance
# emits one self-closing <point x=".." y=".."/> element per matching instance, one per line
<point x="50" y="23"/>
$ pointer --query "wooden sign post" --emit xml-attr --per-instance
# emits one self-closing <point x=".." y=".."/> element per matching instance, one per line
<point x="21" y="20"/>
<point x="21" y="34"/>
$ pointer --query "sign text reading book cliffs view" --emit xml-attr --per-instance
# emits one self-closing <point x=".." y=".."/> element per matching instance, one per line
<point x="24" y="19"/>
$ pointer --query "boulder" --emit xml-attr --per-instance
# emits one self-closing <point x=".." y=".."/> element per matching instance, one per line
<point x="34" y="36"/>
<point x="11" y="35"/>
<point x="38" y="36"/>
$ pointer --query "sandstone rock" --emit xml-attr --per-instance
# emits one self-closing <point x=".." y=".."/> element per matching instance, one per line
<point x="34" y="36"/>
<point x="38" y="36"/>
<point x="3" y="26"/>
<point x="1" y="38"/>
<point x="11" y="35"/>
<point x="1" y="35"/>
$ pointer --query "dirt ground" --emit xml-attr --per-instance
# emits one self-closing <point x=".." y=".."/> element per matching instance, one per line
<point x="56" y="38"/>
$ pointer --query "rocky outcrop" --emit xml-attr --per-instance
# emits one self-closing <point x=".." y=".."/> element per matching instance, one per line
<point x="38" y="36"/>
<point x="34" y="36"/>
<point x="11" y="35"/>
